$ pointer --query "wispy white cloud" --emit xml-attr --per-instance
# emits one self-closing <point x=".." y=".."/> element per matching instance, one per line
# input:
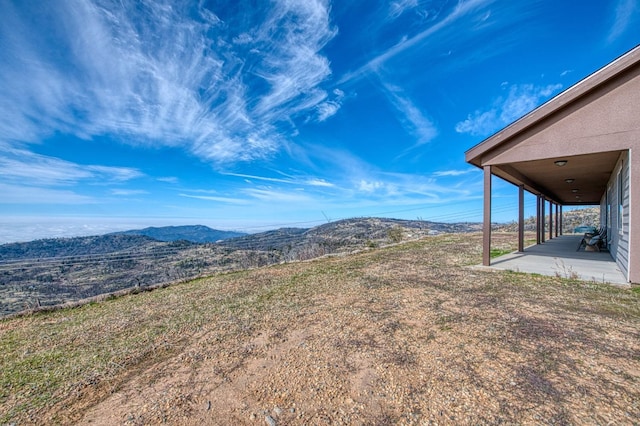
<point x="443" y="173"/>
<point x="219" y="199"/>
<point x="624" y="13"/>
<point x="42" y="170"/>
<point x="319" y="182"/>
<point x="412" y="118"/>
<point x="462" y="8"/>
<point x="480" y="123"/>
<point x="354" y="184"/>
<point x="262" y="178"/>
<point x="357" y="180"/>
<point x="168" y="179"/>
<point x="397" y="8"/>
<point x="266" y="196"/>
<point x="25" y="194"/>
<point x="415" y="186"/>
<point x="370" y="186"/>
<point x="26" y="167"/>
<point x="163" y="74"/>
<point x="291" y="180"/>
<point x="128" y="192"/>
<point x="277" y="196"/>
<point x="520" y="100"/>
<point x="400" y="189"/>
<point x="525" y="98"/>
<point x="329" y="108"/>
<point x="29" y="178"/>
<point x="115" y="174"/>
<point x="243" y="38"/>
<point x="293" y="68"/>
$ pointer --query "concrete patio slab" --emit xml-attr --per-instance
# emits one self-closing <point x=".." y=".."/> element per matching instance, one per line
<point x="558" y="257"/>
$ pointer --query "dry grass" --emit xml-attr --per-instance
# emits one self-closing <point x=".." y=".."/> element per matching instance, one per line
<point x="403" y="335"/>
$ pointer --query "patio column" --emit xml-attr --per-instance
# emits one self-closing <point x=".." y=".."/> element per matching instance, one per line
<point x="486" y="228"/>
<point x="521" y="218"/>
<point x="550" y="219"/>
<point x="538" y="239"/>
<point x="557" y="220"/>
<point x="544" y="219"/>
<point x="561" y="227"/>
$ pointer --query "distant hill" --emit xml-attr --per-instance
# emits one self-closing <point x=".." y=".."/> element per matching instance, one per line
<point x="342" y="235"/>
<point x="269" y="240"/>
<point x="581" y="217"/>
<point x="77" y="246"/>
<point x="588" y="216"/>
<point x="193" y="233"/>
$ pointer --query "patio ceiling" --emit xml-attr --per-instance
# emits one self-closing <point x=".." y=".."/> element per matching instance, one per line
<point x="590" y="174"/>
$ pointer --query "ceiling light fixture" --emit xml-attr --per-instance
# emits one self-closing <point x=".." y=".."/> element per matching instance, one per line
<point x="574" y="190"/>
<point x="569" y="180"/>
<point x="560" y="163"/>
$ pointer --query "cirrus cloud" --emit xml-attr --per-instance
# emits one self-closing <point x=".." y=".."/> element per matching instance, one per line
<point x="520" y="100"/>
<point x="163" y="74"/>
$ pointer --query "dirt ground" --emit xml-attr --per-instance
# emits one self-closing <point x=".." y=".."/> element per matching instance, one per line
<point x="406" y="335"/>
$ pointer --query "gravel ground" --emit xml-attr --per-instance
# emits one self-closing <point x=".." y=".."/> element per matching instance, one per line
<point x="401" y="335"/>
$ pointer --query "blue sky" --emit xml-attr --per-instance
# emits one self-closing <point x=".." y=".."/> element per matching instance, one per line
<point x="251" y="115"/>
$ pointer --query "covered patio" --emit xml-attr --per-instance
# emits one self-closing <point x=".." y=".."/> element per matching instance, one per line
<point x="581" y="148"/>
<point x="559" y="257"/>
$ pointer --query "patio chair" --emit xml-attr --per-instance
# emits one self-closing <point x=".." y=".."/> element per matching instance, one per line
<point x="602" y="230"/>
<point x="597" y="242"/>
<point x="588" y="236"/>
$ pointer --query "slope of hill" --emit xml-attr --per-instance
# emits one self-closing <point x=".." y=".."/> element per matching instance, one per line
<point x="589" y="216"/>
<point x="266" y="241"/>
<point x="377" y="228"/>
<point x="400" y="335"/>
<point x="193" y="233"/>
<point x="344" y="235"/>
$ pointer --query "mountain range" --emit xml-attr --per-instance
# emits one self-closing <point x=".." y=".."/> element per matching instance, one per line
<point x="50" y="272"/>
<point x="193" y="233"/>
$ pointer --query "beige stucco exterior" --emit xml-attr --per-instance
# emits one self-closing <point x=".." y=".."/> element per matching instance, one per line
<point x="595" y="127"/>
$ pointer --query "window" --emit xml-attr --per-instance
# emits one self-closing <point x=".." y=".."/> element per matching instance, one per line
<point x="620" y="203"/>
<point x="607" y="219"/>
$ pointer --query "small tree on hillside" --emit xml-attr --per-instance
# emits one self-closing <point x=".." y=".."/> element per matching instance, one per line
<point x="396" y="234"/>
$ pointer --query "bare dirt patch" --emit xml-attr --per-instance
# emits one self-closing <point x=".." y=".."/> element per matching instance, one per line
<point x="402" y="335"/>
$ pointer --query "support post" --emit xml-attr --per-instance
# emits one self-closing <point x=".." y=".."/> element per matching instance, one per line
<point x="543" y="217"/>
<point x="538" y="220"/>
<point x="561" y="224"/>
<point x="521" y="218"/>
<point x="550" y="219"/>
<point x="557" y="220"/>
<point x="486" y="228"/>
